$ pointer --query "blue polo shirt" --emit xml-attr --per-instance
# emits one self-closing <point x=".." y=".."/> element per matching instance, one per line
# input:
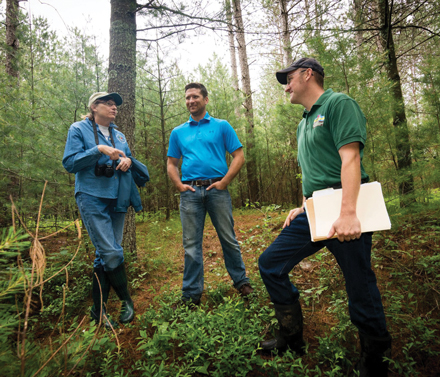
<point x="81" y="154"/>
<point x="202" y="146"/>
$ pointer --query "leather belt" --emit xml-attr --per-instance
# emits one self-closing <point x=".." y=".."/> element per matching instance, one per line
<point x="202" y="182"/>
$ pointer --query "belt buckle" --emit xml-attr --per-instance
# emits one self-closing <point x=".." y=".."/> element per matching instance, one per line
<point x="198" y="183"/>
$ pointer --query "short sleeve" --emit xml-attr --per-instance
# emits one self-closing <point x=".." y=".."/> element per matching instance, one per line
<point x="348" y="123"/>
<point x="173" y="146"/>
<point x="230" y="138"/>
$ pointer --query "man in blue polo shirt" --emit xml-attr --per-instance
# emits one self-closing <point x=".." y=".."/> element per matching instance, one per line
<point x="202" y="143"/>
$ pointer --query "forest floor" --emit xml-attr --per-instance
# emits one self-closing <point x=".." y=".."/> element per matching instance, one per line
<point x="406" y="263"/>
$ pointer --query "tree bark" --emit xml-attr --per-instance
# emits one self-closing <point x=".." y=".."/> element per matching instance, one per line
<point x="233" y="55"/>
<point x="403" y="146"/>
<point x="161" y="87"/>
<point x="358" y="17"/>
<point x="122" y="79"/>
<point x="287" y="46"/>
<point x="13" y="187"/>
<point x="232" y="44"/>
<point x="12" y="43"/>
<point x="251" y="163"/>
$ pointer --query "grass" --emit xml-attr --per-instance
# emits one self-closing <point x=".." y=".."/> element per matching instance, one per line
<point x="220" y="338"/>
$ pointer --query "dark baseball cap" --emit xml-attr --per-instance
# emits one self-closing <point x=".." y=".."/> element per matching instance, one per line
<point x="300" y="63"/>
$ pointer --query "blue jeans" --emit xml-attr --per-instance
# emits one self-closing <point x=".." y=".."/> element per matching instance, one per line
<point x="294" y="244"/>
<point x="193" y="208"/>
<point x="105" y="228"/>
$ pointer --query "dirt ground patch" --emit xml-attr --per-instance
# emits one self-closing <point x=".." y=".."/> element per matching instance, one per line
<point x="159" y="272"/>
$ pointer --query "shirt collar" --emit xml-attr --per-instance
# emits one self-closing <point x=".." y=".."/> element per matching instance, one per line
<point x="321" y="100"/>
<point x="205" y="119"/>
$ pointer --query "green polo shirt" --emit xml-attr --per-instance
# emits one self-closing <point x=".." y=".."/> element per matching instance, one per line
<point x="333" y="121"/>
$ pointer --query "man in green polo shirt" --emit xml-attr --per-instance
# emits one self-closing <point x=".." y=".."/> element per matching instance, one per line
<point x="331" y="139"/>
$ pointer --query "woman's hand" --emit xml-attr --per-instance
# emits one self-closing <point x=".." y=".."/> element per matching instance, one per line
<point x="125" y="164"/>
<point x="113" y="153"/>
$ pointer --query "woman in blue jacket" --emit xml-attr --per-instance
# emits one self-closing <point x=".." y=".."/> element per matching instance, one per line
<point x="99" y="156"/>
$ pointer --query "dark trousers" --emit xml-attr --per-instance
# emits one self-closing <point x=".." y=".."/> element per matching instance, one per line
<point x="294" y="244"/>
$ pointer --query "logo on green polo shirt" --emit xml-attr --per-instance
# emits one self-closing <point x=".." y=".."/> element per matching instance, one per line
<point x="319" y="121"/>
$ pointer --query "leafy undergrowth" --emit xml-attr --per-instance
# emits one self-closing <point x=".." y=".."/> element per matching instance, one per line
<point x="220" y="338"/>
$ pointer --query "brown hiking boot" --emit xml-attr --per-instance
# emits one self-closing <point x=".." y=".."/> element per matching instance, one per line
<point x="245" y="290"/>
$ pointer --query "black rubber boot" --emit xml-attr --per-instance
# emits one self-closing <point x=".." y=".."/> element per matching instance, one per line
<point x="100" y="279"/>
<point x="118" y="280"/>
<point x="374" y="349"/>
<point x="290" y="335"/>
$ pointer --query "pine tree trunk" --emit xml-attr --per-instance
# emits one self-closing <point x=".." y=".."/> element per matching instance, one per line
<point x="231" y="44"/>
<point x="13" y="186"/>
<point x="358" y="17"/>
<point x="233" y="56"/>
<point x="287" y="46"/>
<point x="251" y="158"/>
<point x="11" y="37"/>
<point x="122" y="79"/>
<point x="403" y="146"/>
<point x="163" y="135"/>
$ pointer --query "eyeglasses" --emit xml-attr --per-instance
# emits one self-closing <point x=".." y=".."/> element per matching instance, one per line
<point x="106" y="103"/>
<point x="289" y="78"/>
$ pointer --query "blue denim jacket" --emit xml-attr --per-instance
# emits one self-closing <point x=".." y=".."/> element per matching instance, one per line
<point x="128" y="193"/>
<point x="81" y="154"/>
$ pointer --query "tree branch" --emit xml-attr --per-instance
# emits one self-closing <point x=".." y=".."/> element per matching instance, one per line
<point x="179" y="12"/>
<point x="411" y="26"/>
<point x="414" y="47"/>
<point x="409" y="14"/>
<point x="174" y="25"/>
<point x="163" y="37"/>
